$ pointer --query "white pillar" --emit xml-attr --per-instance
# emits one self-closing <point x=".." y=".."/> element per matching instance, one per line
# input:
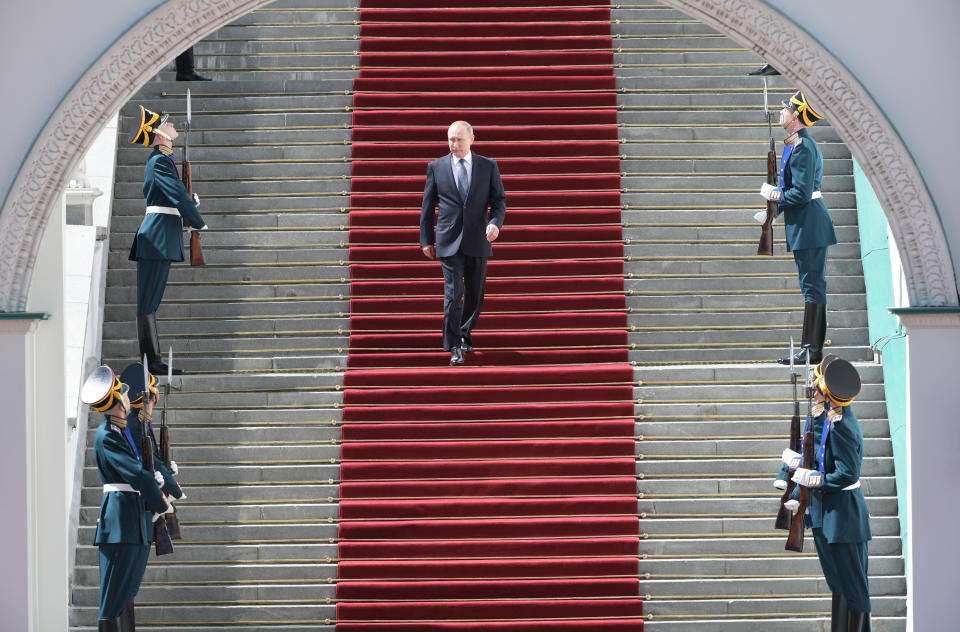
<point x="17" y="391"/>
<point x="933" y="376"/>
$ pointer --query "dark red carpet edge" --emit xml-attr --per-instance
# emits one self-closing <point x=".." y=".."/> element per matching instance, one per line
<point x="500" y="495"/>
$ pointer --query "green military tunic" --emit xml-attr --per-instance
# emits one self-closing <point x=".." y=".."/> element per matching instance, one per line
<point x="159" y="240"/>
<point x="806" y="220"/>
<point x="839" y="516"/>
<point x="122" y="529"/>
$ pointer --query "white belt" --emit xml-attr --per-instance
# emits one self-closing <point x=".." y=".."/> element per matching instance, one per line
<point x="166" y="210"/>
<point x="816" y="196"/>
<point x="852" y="487"/>
<point x="118" y="487"/>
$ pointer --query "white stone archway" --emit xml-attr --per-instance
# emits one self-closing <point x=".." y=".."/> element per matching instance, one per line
<point x="146" y="48"/>
<point x="134" y="59"/>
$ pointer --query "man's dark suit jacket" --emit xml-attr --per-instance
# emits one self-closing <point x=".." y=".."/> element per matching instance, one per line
<point x="461" y="225"/>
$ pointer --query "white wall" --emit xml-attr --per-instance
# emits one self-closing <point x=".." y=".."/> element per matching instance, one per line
<point x="46" y="47"/>
<point x="905" y="54"/>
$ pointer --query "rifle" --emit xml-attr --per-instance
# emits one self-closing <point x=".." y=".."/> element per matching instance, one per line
<point x="196" y="250"/>
<point x="783" y="516"/>
<point x="795" y="538"/>
<point x="161" y="535"/>
<point x="765" y="247"/>
<point x="173" y="522"/>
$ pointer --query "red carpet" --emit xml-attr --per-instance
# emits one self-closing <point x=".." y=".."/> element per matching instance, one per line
<point x="500" y="495"/>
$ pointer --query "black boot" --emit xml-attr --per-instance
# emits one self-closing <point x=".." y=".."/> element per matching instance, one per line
<point x="185" y="68"/>
<point x="838" y="613"/>
<point x="814" y="332"/>
<point x="130" y="618"/>
<point x="858" y="622"/>
<point x="110" y="625"/>
<point x="150" y="344"/>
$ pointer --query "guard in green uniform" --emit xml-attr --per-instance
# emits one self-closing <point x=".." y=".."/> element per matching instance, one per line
<point x="837" y="512"/>
<point x="140" y="418"/>
<point x="806" y="220"/>
<point x="159" y="240"/>
<point x="128" y="491"/>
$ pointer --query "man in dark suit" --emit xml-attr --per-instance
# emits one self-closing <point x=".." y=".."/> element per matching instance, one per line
<point x="467" y="189"/>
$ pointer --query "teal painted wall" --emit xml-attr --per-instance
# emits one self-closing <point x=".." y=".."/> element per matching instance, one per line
<point x="886" y="335"/>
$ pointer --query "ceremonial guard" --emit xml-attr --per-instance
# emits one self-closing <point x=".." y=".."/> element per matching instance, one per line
<point x="837" y="511"/>
<point x="123" y="530"/>
<point x="159" y="240"/>
<point x="806" y="220"/>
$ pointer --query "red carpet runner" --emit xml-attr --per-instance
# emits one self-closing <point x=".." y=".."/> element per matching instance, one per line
<point x="500" y="495"/>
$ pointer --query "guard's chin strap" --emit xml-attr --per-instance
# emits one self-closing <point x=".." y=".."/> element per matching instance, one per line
<point x="159" y="133"/>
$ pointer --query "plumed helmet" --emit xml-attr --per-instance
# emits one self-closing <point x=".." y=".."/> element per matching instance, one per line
<point x="102" y="390"/>
<point x="837" y="379"/>
<point x="799" y="105"/>
<point x="132" y="376"/>
<point x="147" y="130"/>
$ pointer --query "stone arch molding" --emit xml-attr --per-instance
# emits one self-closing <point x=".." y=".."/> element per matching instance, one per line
<point x="136" y="56"/>
<point x="862" y="125"/>
<point x="151" y="43"/>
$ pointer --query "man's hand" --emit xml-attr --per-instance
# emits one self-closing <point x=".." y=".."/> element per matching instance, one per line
<point x="492" y="232"/>
<point x="770" y="193"/>
<point x="174" y="468"/>
<point x="157" y="476"/>
<point x="808" y="478"/>
<point x="430" y="252"/>
<point x="196" y="200"/>
<point x="780" y="484"/>
<point x="792" y="505"/>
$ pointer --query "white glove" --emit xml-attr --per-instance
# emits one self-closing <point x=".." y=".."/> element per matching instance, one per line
<point x="761" y="217"/>
<point x="157" y="476"/>
<point x="174" y="468"/>
<point x="792" y="505"/>
<point x="168" y="510"/>
<point x="196" y="200"/>
<point x="791" y="459"/>
<point x="191" y="228"/>
<point x="808" y="478"/>
<point x="780" y="484"/>
<point x="770" y="193"/>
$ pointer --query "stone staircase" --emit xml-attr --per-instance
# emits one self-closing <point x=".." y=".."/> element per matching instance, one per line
<point x="263" y="331"/>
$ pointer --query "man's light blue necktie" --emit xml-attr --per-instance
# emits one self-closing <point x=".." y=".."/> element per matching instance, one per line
<point x="463" y="184"/>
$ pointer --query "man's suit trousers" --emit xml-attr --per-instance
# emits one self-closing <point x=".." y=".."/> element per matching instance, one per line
<point x="463" y="281"/>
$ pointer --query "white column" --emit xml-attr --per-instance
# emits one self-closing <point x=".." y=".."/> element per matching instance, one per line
<point x="933" y="376"/>
<point x="17" y="393"/>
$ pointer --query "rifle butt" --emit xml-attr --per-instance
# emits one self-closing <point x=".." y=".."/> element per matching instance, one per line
<point x="765" y="247"/>
<point x="161" y="537"/>
<point x="795" y="537"/>
<point x="173" y="526"/>
<point x="784" y="519"/>
<point x="196" y="249"/>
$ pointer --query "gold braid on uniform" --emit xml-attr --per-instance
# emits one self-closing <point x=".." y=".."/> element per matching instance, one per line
<point x="792" y="139"/>
<point x="119" y="422"/>
<point x="166" y="151"/>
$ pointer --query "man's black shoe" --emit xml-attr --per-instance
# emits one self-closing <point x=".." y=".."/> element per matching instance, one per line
<point x="465" y="346"/>
<point x="456" y="356"/>
<point x="192" y="76"/>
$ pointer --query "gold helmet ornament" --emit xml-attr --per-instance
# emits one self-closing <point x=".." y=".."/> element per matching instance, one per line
<point x="800" y="107"/>
<point x="147" y="131"/>
<point x="102" y="390"/>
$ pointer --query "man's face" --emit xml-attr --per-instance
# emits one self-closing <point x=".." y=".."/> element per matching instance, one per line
<point x="169" y="129"/>
<point x="786" y="115"/>
<point x="459" y="140"/>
